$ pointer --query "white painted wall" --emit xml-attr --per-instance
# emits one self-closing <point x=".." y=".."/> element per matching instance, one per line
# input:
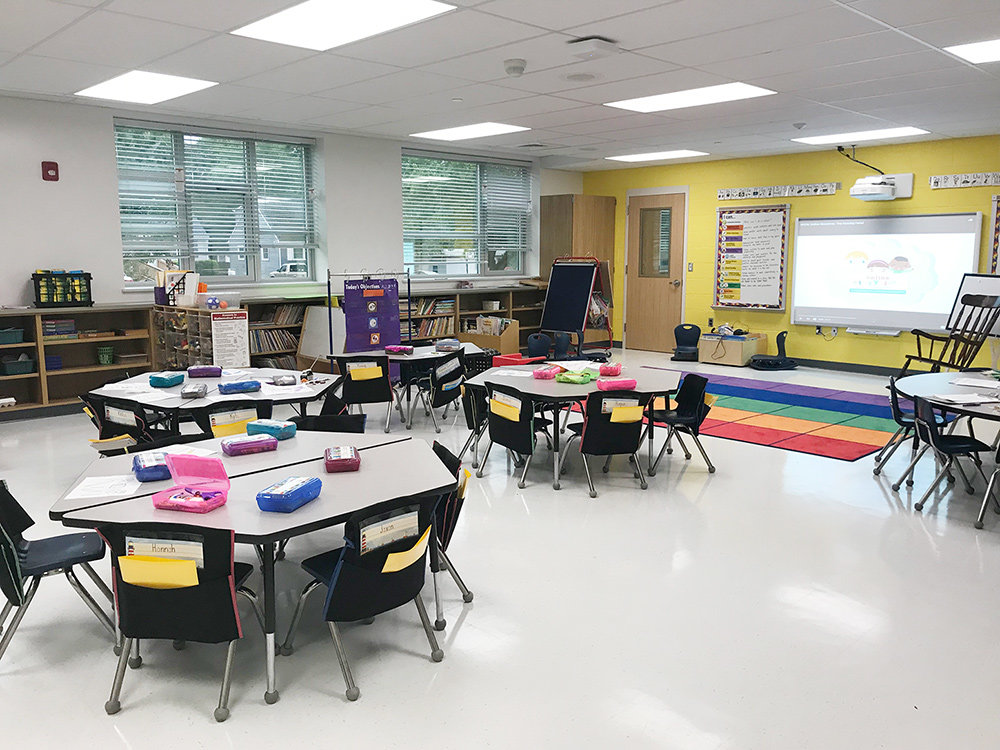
<point x="74" y="224"/>
<point x="561" y="182"/>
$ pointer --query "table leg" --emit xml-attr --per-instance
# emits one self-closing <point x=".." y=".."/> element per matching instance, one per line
<point x="555" y="447"/>
<point x="266" y="554"/>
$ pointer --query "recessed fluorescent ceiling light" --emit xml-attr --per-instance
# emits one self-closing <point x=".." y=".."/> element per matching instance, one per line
<point x="977" y="52"/>
<point x="657" y="155"/>
<point x="861" y="135"/>
<point x="479" y="130"/>
<point x="726" y="92"/>
<point x="324" y="24"/>
<point x="141" y="87"/>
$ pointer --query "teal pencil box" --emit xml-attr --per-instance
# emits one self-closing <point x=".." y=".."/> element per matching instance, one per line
<point x="166" y="379"/>
<point x="275" y="427"/>
<point x="289" y="494"/>
<point x="239" y="386"/>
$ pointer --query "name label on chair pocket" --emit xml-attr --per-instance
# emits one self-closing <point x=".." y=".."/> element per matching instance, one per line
<point x="228" y="423"/>
<point x="508" y="407"/>
<point x="364" y="370"/>
<point x="391" y="530"/>
<point x="175" y="549"/>
<point x="449" y="366"/>
<point x="119" y="416"/>
<point x="610" y="404"/>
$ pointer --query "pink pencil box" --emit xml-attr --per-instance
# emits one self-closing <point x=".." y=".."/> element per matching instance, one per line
<point x="396" y="349"/>
<point x="548" y="372"/>
<point x="615" y="369"/>
<point x="342" y="458"/>
<point x="616" y="384"/>
<point x="201" y="484"/>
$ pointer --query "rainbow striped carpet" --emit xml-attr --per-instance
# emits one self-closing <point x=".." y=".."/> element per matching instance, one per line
<point x="824" y="422"/>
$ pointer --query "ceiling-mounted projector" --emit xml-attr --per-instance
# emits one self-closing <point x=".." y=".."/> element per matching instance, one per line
<point x="883" y="187"/>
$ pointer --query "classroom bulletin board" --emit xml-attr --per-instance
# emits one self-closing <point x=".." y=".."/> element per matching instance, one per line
<point x="750" y="257"/>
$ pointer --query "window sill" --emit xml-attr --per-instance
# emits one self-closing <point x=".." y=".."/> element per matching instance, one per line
<point x="264" y="289"/>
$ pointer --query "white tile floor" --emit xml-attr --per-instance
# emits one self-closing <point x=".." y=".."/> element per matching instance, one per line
<point x="787" y="601"/>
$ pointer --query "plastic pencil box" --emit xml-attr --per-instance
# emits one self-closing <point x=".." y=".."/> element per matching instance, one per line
<point x="194" y="390"/>
<point x="204" y="371"/>
<point x="200" y="484"/>
<point x="166" y="379"/>
<point x="284" y="380"/>
<point x="277" y="428"/>
<point x="342" y="458"/>
<point x="150" y="467"/>
<point x="239" y="386"/>
<point x="289" y="494"/>
<point x="609" y="369"/>
<point x="397" y="349"/>
<point x="242" y="445"/>
<point x="578" y="378"/>
<point x="616" y="384"/>
<point x="548" y="372"/>
<point x="448" y="345"/>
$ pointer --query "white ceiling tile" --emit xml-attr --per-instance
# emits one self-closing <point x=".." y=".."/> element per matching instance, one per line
<point x="318" y="73"/>
<point x="915" y="83"/>
<point x="961" y="30"/>
<point x="540" y="52"/>
<point x="472" y="96"/>
<point x="227" y="58"/>
<point x="27" y="22"/>
<point x="297" y="109"/>
<point x="689" y="18"/>
<point x="789" y="32"/>
<point x="904" y="12"/>
<point x="46" y="75"/>
<point x="520" y="109"/>
<point x="104" y="38"/>
<point x="356" y="118"/>
<point x="559" y="14"/>
<point x="809" y="78"/>
<point x="226" y="99"/>
<point x="841" y="51"/>
<point x="83" y="3"/>
<point x="946" y="102"/>
<point x="605" y="70"/>
<point x="555" y="119"/>
<point x="215" y="15"/>
<point x="660" y="83"/>
<point x="449" y="35"/>
<point x="395" y="87"/>
<point x="613" y="124"/>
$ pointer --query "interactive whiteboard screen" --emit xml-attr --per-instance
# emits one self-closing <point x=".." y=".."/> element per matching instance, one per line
<point x="882" y="272"/>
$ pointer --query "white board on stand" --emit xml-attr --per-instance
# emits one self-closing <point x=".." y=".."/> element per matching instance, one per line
<point x="314" y="341"/>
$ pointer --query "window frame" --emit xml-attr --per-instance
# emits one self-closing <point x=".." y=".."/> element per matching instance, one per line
<point x="256" y="252"/>
<point x="479" y="234"/>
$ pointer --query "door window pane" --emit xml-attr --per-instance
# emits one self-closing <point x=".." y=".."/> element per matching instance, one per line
<point x="654" y="242"/>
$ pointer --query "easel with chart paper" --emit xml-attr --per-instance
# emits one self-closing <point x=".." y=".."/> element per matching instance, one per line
<point x="750" y="258"/>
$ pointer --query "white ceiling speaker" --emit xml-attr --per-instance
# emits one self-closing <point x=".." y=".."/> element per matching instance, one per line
<point x="514" y="67"/>
<point x="593" y="47"/>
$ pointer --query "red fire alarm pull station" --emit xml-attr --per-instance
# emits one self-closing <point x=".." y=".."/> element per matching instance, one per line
<point x="50" y="171"/>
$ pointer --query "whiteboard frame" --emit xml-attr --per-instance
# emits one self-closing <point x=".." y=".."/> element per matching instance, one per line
<point x="785" y="208"/>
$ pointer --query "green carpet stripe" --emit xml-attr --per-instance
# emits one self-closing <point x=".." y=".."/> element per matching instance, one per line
<point x="873" y="423"/>
<point x="749" y="404"/>
<point x="814" y="415"/>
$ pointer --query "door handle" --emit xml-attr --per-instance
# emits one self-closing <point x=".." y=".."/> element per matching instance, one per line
<point x="676" y="283"/>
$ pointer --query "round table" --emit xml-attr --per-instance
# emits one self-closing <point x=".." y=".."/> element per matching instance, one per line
<point x="927" y="385"/>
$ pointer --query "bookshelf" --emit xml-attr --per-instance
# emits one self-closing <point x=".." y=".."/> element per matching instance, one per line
<point x="275" y="329"/>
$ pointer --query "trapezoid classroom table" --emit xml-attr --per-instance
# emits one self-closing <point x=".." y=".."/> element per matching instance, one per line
<point x="168" y="401"/>
<point x="403" y="468"/>
<point x="553" y="395"/>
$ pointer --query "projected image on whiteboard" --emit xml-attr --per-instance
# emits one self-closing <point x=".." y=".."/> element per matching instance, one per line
<point x="888" y="273"/>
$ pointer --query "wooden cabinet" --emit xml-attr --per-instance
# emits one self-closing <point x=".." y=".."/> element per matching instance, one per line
<point x="576" y="225"/>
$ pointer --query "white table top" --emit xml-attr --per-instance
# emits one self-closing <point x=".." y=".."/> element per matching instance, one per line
<point x="929" y="384"/>
<point x="305" y="446"/>
<point x="137" y="389"/>
<point x="419" y="352"/>
<point x="400" y="469"/>
<point x="648" y="380"/>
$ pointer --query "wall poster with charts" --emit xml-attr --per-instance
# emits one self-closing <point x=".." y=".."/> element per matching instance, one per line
<point x="750" y="257"/>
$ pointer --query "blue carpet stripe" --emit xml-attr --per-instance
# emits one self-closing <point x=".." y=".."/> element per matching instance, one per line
<point x="791" y="399"/>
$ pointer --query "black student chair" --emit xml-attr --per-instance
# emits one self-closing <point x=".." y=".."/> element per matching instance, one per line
<point x="116" y="417"/>
<point x="611" y="426"/>
<point x="539" y="345"/>
<point x="906" y="420"/>
<point x="361" y="383"/>
<point x="686" y="337"/>
<point x="442" y="386"/>
<point x="202" y="610"/>
<point x="476" y="409"/>
<point x="512" y="424"/>
<point x="380" y="567"/>
<point x="333" y="405"/>
<point x="446" y="515"/>
<point x="947" y="449"/>
<point x="331" y="422"/>
<point x="687" y="418"/>
<point x="214" y="418"/>
<point x="23" y="561"/>
<point x="780" y="361"/>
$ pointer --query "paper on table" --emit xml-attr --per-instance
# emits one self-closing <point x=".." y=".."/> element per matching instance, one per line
<point x="277" y="391"/>
<point x="187" y="450"/>
<point x="976" y="382"/>
<point x="577" y="365"/>
<point x="514" y="373"/>
<point x="234" y="373"/>
<point x="111" y="486"/>
<point x="966" y="399"/>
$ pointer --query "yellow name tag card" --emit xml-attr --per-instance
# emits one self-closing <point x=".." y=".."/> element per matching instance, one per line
<point x="158" y="572"/>
<point x="626" y="414"/>
<point x="513" y="413"/>
<point x="366" y="373"/>
<point x="396" y="561"/>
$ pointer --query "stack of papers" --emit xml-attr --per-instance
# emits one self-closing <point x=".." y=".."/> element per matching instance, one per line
<point x="976" y="383"/>
<point x="966" y="399"/>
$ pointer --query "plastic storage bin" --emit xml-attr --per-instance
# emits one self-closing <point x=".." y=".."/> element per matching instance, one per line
<point x="12" y="336"/>
<point x="17" y="366"/>
<point x="62" y="289"/>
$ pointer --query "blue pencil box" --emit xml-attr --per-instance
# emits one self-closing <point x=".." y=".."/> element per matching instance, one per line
<point x="289" y="494"/>
<point x="150" y="467"/>
<point x="239" y="386"/>
<point x="166" y="379"/>
<point x="276" y="427"/>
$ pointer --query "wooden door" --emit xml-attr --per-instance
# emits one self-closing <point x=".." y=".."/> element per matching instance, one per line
<point x="654" y="271"/>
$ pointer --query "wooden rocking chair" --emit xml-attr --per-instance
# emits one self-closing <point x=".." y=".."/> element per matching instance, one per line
<point x="960" y="344"/>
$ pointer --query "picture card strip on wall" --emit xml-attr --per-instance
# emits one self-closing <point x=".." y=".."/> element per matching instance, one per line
<point x="750" y="258"/>
<point x="995" y="235"/>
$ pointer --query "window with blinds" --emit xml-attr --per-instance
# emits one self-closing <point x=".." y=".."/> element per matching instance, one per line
<point x="231" y="208"/>
<point x="465" y="218"/>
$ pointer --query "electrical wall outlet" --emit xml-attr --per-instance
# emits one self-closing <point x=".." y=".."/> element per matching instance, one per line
<point x="819" y="330"/>
<point x="711" y="321"/>
<point x="834" y="332"/>
<point x="690" y="267"/>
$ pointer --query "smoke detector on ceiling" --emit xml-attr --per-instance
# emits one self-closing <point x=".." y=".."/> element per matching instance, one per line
<point x="593" y="47"/>
<point x="581" y="77"/>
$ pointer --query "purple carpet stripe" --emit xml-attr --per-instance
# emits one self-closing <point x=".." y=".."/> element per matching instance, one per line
<point x="805" y="390"/>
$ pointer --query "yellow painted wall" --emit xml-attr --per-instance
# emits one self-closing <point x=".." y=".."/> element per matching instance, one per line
<point x="705" y="178"/>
